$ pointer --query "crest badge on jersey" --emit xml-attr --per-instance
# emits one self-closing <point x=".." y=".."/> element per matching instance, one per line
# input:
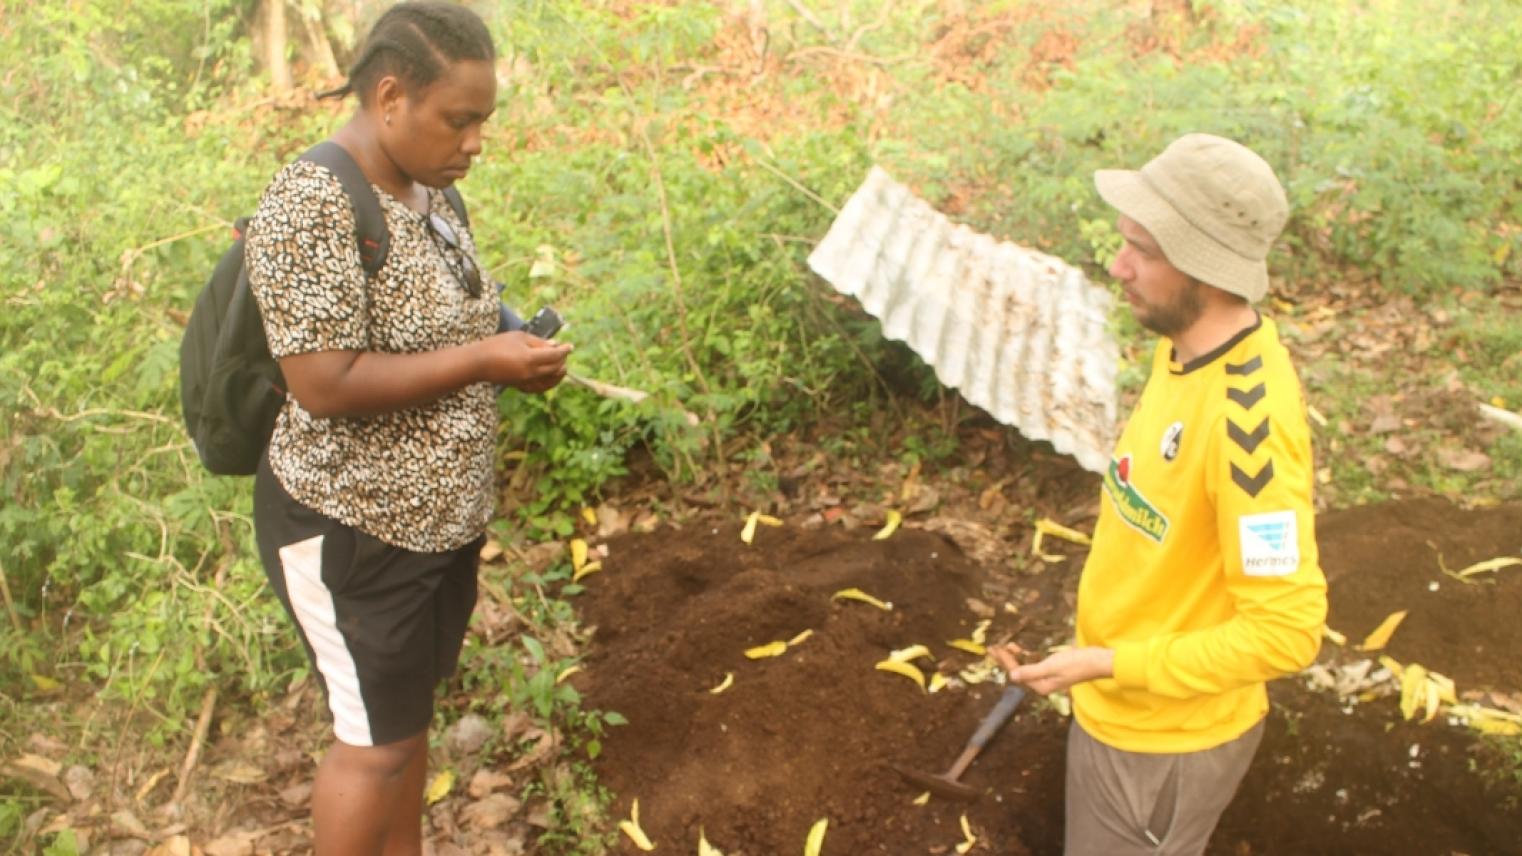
<point x="1171" y="440"/>
<point x="1270" y="544"/>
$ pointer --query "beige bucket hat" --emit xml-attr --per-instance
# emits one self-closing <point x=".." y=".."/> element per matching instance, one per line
<point x="1213" y="206"/>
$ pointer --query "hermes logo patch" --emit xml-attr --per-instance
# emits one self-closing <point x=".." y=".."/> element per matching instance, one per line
<point x="1270" y="544"/>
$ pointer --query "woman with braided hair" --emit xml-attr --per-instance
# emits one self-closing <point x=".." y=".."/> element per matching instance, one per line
<point x="371" y="501"/>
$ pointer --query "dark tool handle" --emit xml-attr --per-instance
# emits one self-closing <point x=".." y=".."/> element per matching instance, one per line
<point x="997" y="717"/>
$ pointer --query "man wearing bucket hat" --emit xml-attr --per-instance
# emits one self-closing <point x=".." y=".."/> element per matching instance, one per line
<point x="1203" y="582"/>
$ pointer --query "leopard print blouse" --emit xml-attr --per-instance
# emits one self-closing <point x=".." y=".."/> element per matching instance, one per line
<point x="419" y="478"/>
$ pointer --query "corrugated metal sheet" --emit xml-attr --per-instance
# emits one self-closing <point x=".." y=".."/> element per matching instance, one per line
<point x="1019" y="333"/>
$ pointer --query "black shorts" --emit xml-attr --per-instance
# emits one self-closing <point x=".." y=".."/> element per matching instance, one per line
<point x="381" y="624"/>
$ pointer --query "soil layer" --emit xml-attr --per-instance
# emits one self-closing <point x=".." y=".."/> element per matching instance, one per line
<point x="812" y="733"/>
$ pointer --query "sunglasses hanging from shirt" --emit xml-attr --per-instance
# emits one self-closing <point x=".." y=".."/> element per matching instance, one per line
<point x="460" y="263"/>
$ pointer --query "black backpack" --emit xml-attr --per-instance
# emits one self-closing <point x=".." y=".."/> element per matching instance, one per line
<point x="231" y="388"/>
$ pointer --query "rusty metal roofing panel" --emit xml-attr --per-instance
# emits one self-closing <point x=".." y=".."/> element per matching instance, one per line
<point x="1019" y="333"/>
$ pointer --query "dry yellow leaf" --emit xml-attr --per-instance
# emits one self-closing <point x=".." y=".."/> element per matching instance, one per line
<point x="589" y="515"/>
<point x="1421" y="689"/>
<point x="980" y="631"/>
<point x="968" y="839"/>
<point x="578" y="553"/>
<point x="913" y="652"/>
<point x="905" y="669"/>
<point x="1486" y="566"/>
<point x="1432" y="698"/>
<point x="45" y="684"/>
<point x="768" y="520"/>
<point x="1036" y="549"/>
<point x="729" y="679"/>
<point x="922" y="799"/>
<point x="858" y="594"/>
<point x="770" y="649"/>
<point x="588" y="568"/>
<point x="1381" y="635"/>
<point x="1047" y="526"/>
<point x="1413" y="683"/>
<point x="150" y="783"/>
<point x="631" y="828"/>
<point x="1489" y="720"/>
<point x="815" y="842"/>
<point x="798" y="640"/>
<point x="440" y="786"/>
<point x="937" y="681"/>
<point x="566" y="673"/>
<point x="1446" y="691"/>
<point x="748" y="534"/>
<point x="704" y="848"/>
<point x="1497" y="728"/>
<point x="894" y="518"/>
<point x="969" y="646"/>
<point x="1334" y="636"/>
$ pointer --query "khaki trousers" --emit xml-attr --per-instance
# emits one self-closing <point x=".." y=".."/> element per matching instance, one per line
<point x="1121" y="803"/>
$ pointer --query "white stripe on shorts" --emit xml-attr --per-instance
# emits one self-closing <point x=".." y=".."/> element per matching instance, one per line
<point x="301" y="564"/>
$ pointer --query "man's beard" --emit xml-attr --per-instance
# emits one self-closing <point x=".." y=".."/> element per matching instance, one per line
<point x="1177" y="315"/>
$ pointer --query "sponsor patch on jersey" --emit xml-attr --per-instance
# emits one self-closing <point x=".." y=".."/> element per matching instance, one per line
<point x="1171" y="439"/>
<point x="1270" y="544"/>
<point x="1133" y="508"/>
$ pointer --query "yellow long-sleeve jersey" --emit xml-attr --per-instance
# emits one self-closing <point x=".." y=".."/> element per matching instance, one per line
<point x="1204" y="577"/>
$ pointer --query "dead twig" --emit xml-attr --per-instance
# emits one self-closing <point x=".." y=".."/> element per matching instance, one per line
<point x="677" y="290"/>
<point x="209" y="699"/>
<point x="608" y="390"/>
<point x="1501" y="416"/>
<point x="10" y="605"/>
<point x="699" y="72"/>
<point x="795" y="184"/>
<point x="203" y="725"/>
<point x="132" y="254"/>
<point x="807" y="14"/>
<point x="811" y="50"/>
<point x="54" y="414"/>
<point x="882" y="21"/>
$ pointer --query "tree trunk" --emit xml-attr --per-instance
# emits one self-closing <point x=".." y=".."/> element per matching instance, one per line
<point x="274" y="44"/>
<point x="319" y="48"/>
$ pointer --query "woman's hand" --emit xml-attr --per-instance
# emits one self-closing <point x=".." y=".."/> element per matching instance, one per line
<point x="1057" y="672"/>
<point x="332" y="384"/>
<point x="524" y="361"/>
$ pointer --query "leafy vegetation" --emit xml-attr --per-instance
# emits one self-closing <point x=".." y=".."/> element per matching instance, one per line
<point x="660" y="177"/>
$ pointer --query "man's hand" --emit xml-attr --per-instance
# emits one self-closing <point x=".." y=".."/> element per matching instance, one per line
<point x="1059" y="671"/>
<point x="524" y="361"/>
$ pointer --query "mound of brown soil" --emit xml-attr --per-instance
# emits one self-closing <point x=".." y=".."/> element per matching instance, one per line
<point x="806" y="735"/>
<point x="1387" y="557"/>
<point x="809" y="734"/>
<point x="1340" y="777"/>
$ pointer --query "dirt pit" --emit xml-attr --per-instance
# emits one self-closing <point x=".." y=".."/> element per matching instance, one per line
<point x="810" y="734"/>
